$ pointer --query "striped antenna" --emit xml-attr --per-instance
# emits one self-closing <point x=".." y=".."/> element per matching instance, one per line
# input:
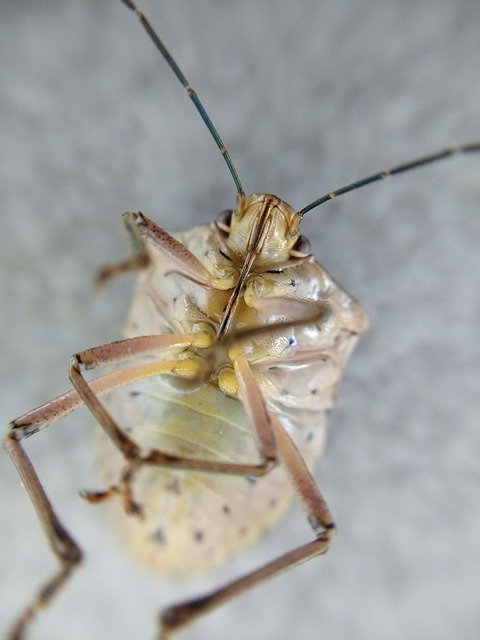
<point x="381" y="175"/>
<point x="193" y="96"/>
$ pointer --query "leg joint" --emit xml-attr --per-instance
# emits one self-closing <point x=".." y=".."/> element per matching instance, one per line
<point x="67" y="550"/>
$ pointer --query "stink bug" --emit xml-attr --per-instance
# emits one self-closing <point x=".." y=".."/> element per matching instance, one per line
<point x="384" y="214"/>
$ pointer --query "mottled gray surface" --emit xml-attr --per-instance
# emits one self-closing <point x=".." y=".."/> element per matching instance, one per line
<point x="308" y="95"/>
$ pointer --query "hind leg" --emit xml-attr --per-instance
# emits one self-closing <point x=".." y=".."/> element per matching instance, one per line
<point x="318" y="514"/>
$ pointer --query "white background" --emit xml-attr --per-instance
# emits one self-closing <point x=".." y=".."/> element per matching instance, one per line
<point x="308" y="96"/>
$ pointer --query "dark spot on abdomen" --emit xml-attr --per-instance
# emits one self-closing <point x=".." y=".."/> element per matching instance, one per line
<point x="158" y="536"/>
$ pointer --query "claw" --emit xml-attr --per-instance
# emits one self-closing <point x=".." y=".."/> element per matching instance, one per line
<point x="131" y="506"/>
<point x="95" y="497"/>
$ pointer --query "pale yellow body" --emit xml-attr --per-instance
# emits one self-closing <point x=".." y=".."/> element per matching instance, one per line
<point x="194" y="521"/>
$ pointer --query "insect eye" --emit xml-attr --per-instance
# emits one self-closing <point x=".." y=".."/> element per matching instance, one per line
<point x="224" y="219"/>
<point x="301" y="247"/>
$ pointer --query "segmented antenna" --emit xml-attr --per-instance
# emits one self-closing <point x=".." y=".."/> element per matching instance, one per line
<point x="193" y="96"/>
<point x="401" y="168"/>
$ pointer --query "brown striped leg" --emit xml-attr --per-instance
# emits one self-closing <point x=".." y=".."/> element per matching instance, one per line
<point x="180" y="615"/>
<point x="64" y="547"/>
<point x="183" y="261"/>
<point x="139" y="258"/>
<point x="136" y="262"/>
<point x="62" y="544"/>
<point x="300" y="313"/>
<point x="143" y="232"/>
<point x="186" y="368"/>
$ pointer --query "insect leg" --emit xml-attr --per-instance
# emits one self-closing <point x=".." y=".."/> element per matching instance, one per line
<point x="58" y="408"/>
<point x="143" y="232"/>
<point x="64" y="547"/>
<point x="138" y="260"/>
<point x="188" y="264"/>
<point x="318" y="514"/>
<point x="307" y="312"/>
<point x="186" y="368"/>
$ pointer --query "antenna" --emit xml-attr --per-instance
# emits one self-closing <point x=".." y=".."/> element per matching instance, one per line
<point x="401" y="168"/>
<point x="193" y="96"/>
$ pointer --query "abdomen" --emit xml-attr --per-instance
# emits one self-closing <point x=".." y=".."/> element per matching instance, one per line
<point x="195" y="521"/>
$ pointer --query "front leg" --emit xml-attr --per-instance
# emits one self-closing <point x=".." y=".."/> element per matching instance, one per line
<point x="139" y="258"/>
<point x="144" y="236"/>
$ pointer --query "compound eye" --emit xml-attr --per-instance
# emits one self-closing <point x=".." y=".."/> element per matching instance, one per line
<point x="224" y="219"/>
<point x="301" y="248"/>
